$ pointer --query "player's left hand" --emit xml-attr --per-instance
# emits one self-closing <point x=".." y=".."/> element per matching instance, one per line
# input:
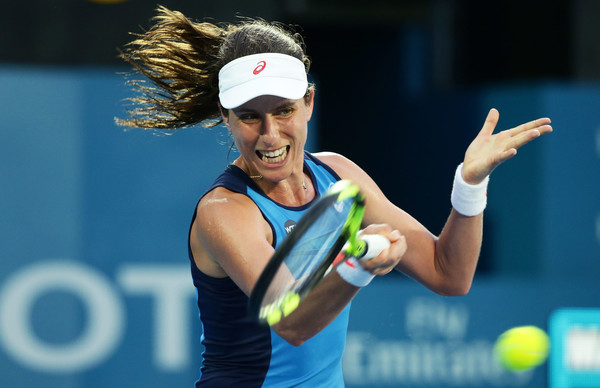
<point x="489" y="150"/>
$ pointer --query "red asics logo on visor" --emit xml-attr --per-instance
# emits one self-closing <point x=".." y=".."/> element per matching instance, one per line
<point x="261" y="66"/>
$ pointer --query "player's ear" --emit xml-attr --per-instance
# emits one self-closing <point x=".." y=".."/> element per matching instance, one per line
<point x="309" y="101"/>
<point x="224" y="116"/>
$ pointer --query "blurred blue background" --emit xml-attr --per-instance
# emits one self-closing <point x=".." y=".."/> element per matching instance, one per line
<point x="94" y="280"/>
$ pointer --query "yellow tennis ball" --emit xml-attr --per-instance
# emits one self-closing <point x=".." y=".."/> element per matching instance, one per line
<point x="290" y="302"/>
<point x="274" y="317"/>
<point x="522" y="348"/>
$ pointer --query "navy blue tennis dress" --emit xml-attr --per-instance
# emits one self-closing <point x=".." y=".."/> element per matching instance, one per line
<point x="238" y="351"/>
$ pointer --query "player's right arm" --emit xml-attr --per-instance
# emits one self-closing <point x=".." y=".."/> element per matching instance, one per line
<point x="230" y="237"/>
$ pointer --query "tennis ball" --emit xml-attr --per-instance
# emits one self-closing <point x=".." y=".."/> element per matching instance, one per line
<point x="290" y="302"/>
<point x="522" y="348"/>
<point x="274" y="317"/>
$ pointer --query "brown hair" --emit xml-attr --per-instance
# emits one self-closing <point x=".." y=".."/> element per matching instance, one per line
<point x="181" y="60"/>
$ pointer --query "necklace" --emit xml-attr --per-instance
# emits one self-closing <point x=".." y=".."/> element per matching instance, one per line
<point x="257" y="177"/>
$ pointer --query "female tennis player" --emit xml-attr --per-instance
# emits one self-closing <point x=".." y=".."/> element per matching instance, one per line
<point x="253" y="77"/>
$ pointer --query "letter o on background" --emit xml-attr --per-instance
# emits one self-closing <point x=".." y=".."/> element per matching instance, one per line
<point x="102" y="332"/>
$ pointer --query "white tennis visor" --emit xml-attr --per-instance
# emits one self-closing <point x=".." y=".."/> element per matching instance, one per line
<point x="255" y="75"/>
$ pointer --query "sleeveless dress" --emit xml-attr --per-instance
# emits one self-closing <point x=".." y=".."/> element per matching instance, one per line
<point x="239" y="352"/>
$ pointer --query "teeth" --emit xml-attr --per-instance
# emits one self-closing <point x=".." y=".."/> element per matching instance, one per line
<point x="273" y="156"/>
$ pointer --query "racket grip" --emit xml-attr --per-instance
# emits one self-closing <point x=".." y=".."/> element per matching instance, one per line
<point x="375" y="243"/>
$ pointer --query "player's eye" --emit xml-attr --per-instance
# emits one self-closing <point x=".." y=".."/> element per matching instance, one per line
<point x="286" y="111"/>
<point x="248" y="117"/>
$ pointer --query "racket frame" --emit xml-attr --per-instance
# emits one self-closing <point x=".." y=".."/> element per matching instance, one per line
<point x="348" y="233"/>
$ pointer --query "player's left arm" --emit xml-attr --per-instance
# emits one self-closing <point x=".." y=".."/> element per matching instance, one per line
<point x="419" y="244"/>
<point x="445" y="263"/>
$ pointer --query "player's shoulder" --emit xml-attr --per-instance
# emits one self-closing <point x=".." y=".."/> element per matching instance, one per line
<point x="328" y="155"/>
<point x="342" y="165"/>
<point x="222" y="201"/>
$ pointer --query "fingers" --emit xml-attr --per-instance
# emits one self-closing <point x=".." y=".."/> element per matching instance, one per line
<point x="517" y="137"/>
<point x="524" y="136"/>
<point x="488" y="150"/>
<point x="504" y="156"/>
<point x="490" y="122"/>
<point x="387" y="260"/>
<point x="511" y="147"/>
<point x="541" y="125"/>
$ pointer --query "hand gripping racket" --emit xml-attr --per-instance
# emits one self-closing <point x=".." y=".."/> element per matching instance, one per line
<point x="326" y="236"/>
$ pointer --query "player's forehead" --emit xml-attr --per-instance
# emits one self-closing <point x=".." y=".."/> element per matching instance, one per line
<point x="266" y="103"/>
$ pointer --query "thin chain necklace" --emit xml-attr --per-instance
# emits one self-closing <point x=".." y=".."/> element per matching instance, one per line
<point x="257" y="177"/>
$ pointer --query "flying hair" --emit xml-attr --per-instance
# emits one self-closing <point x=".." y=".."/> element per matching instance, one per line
<point x="180" y="59"/>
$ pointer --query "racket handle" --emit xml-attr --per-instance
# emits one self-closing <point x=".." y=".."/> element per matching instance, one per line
<point x="375" y="243"/>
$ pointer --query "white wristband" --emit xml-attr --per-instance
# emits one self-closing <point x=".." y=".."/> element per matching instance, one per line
<point x="469" y="200"/>
<point x="353" y="273"/>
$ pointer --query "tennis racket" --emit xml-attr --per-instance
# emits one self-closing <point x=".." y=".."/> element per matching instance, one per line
<point x="325" y="237"/>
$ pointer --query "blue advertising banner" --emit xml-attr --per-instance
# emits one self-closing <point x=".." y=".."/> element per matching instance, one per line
<point x="95" y="288"/>
<point x="575" y="361"/>
<point x="402" y="335"/>
<point x="94" y="225"/>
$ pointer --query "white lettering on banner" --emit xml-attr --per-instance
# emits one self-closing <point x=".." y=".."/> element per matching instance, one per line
<point x="168" y="285"/>
<point x="104" y="308"/>
<point x="170" y="288"/>
<point x="435" y="353"/>
<point x="371" y="361"/>
<point x="427" y="318"/>
<point x="583" y="349"/>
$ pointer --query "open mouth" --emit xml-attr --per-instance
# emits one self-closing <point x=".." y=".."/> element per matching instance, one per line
<point x="274" y="156"/>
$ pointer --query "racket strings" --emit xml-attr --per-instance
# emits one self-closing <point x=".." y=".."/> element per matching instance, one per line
<point x="301" y="265"/>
